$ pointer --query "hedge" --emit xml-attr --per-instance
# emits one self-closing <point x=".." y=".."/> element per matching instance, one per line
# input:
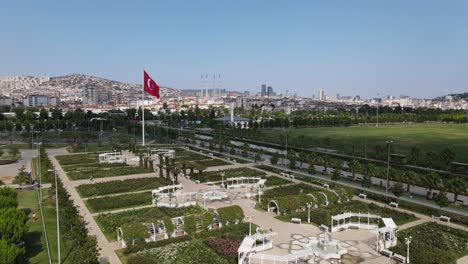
<point x="230" y="214"/>
<point x="190" y="224"/>
<point x="134" y="231"/>
<point x="120" y="186"/>
<point x="119" y="201"/>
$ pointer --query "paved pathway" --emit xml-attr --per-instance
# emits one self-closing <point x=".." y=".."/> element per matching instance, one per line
<point x="105" y="250"/>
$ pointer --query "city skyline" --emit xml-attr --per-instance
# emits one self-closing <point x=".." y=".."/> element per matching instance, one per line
<point x="354" y="48"/>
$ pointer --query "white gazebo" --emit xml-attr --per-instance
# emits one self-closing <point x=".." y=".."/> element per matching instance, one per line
<point x="344" y="221"/>
<point x="172" y="196"/>
<point x="111" y="157"/>
<point x="170" y="153"/>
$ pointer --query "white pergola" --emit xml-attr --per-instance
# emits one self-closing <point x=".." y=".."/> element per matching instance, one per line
<point x="241" y="182"/>
<point x="111" y="157"/>
<point x="249" y="245"/>
<point x="170" y="153"/>
<point x="344" y="221"/>
<point x="172" y="196"/>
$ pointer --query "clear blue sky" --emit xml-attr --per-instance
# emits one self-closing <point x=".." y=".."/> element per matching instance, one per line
<point x="417" y="47"/>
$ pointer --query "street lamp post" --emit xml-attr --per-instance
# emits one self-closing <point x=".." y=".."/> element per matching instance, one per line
<point x="57" y="212"/>
<point x="250" y="225"/>
<point x="407" y="242"/>
<point x="308" y="213"/>
<point x="39" y="172"/>
<point x="388" y="165"/>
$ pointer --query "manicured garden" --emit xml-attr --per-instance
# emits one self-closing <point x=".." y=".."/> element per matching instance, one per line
<point x="121" y="186"/>
<point x="85" y="166"/>
<point x="115" y="202"/>
<point x="197" y="245"/>
<point x="110" y="222"/>
<point x="433" y="243"/>
<point x="214" y="246"/>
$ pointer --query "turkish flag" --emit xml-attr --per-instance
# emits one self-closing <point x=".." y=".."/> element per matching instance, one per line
<point x="150" y="85"/>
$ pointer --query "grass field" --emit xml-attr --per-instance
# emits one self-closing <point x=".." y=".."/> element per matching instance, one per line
<point x="427" y="137"/>
<point x="36" y="251"/>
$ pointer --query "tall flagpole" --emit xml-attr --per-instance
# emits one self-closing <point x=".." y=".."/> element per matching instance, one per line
<point x="143" y="114"/>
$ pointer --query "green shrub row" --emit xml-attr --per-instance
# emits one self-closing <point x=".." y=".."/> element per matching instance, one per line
<point x="121" y="186"/>
<point x="118" y="201"/>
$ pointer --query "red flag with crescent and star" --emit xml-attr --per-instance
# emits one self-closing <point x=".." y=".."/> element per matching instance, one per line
<point x="150" y="85"/>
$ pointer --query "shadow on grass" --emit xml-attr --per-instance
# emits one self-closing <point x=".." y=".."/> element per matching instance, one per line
<point x="33" y="244"/>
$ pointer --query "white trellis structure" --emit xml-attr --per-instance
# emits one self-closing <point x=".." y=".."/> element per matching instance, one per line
<point x="112" y="157"/>
<point x="344" y="221"/>
<point x="155" y="231"/>
<point x="173" y="197"/>
<point x="170" y="153"/>
<point x="249" y="245"/>
<point x="386" y="236"/>
<point x="252" y="185"/>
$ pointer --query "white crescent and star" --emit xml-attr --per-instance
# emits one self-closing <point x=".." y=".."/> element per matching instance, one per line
<point x="149" y="84"/>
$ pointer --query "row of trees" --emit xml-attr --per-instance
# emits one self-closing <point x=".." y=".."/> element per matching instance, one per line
<point x="13" y="227"/>
<point x="72" y="224"/>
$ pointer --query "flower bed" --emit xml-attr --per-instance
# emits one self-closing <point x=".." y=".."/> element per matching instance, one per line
<point x="118" y="202"/>
<point x="212" y="163"/>
<point x="112" y="187"/>
<point x="224" y="246"/>
<point x="77" y="159"/>
<point x="105" y="172"/>
<point x="433" y="243"/>
<point x="110" y="222"/>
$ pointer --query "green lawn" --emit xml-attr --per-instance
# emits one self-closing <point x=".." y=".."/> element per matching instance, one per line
<point x="427" y="137"/>
<point x="36" y="250"/>
<point x="90" y="147"/>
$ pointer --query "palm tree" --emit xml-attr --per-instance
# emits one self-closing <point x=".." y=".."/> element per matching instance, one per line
<point x="414" y="155"/>
<point x="431" y="181"/>
<point x="325" y="162"/>
<point x="354" y="167"/>
<point x="336" y="175"/>
<point x="410" y="177"/>
<point x="397" y="190"/>
<point x="457" y="186"/>
<point x="366" y="181"/>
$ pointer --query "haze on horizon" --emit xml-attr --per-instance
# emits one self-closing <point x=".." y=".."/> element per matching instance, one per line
<point x="415" y="48"/>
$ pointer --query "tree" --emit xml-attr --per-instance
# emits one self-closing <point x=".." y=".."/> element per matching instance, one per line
<point x="21" y="177"/>
<point x="431" y="181"/>
<point x="292" y="163"/>
<point x="366" y="181"/>
<point x="409" y="177"/>
<point x="441" y="199"/>
<point x="430" y="158"/>
<point x="397" y="190"/>
<point x="311" y="168"/>
<point x="447" y="156"/>
<point x="274" y="159"/>
<point x="354" y="167"/>
<point x="414" y="155"/>
<point x="457" y="186"/>
<point x="257" y="158"/>
<point x="9" y="253"/>
<point x="336" y="175"/>
<point x="325" y="162"/>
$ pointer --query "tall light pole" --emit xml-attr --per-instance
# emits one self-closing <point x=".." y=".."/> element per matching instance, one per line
<point x="250" y="225"/>
<point x="308" y="213"/>
<point x="407" y="242"/>
<point x="39" y="169"/>
<point x="378" y="103"/>
<point x="388" y="165"/>
<point x="57" y="211"/>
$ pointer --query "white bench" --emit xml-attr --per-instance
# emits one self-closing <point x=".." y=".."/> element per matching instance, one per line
<point x="291" y="176"/>
<point x="386" y="252"/>
<point x="296" y="220"/>
<point x="393" y="204"/>
<point x="211" y="154"/>
<point x="283" y="174"/>
<point x="399" y="258"/>
<point x="444" y="218"/>
<point x="324" y="228"/>
<point x="363" y="196"/>
<point x="197" y="182"/>
<point x="326" y="186"/>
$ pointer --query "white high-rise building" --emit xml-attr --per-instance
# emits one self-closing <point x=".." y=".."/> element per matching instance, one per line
<point x="321" y="95"/>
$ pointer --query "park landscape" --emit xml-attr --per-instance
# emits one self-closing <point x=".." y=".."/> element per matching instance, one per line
<point x="118" y="197"/>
